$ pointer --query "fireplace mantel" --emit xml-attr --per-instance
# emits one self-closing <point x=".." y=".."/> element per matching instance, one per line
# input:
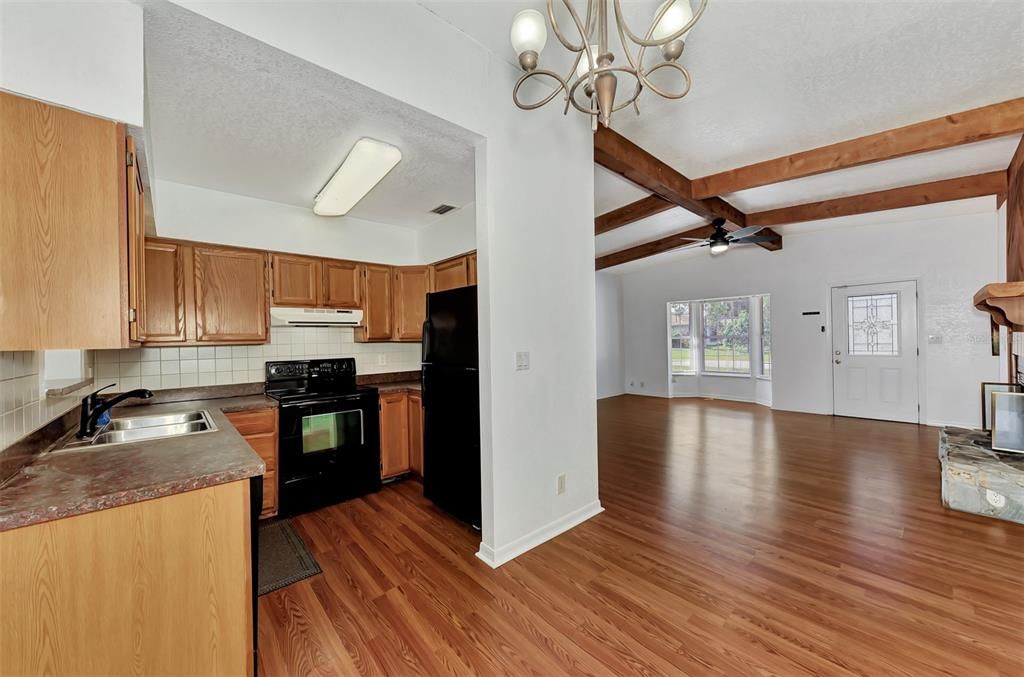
<point x="1004" y="301"/>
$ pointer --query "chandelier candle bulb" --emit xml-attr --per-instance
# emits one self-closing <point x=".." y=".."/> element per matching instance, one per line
<point x="595" y="70"/>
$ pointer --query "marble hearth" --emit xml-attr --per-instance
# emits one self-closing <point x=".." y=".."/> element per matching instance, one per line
<point x="977" y="479"/>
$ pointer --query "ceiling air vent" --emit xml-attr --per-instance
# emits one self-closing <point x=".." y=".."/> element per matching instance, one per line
<point x="442" y="209"/>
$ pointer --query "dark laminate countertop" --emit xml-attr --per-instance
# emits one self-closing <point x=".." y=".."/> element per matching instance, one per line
<point x="59" y="485"/>
<point x="397" y="386"/>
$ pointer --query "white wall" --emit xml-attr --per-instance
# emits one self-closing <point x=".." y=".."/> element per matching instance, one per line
<point x="193" y="213"/>
<point x="951" y="249"/>
<point x="82" y="55"/>
<point x="535" y="242"/>
<point x="610" y="378"/>
<point x="451" y="235"/>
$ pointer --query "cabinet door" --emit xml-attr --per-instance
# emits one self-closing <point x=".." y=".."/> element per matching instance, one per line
<point x="416" y="433"/>
<point x="342" y="280"/>
<point x="451" y="274"/>
<point x="63" y="228"/>
<point x="376" y="303"/>
<point x="230" y="295"/>
<point x="296" y="280"/>
<point x="394" y="434"/>
<point x="471" y="261"/>
<point x="410" y="301"/>
<point x="136" y="245"/>
<point x="164" y="299"/>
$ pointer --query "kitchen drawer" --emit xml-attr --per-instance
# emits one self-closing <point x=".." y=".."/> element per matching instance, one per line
<point x="269" y="507"/>
<point x="254" y="422"/>
<point x="265" y="444"/>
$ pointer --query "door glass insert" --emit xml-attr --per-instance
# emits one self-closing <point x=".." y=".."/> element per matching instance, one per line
<point x="322" y="432"/>
<point x="873" y="324"/>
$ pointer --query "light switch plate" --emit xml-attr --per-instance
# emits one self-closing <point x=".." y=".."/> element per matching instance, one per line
<point x="522" y="361"/>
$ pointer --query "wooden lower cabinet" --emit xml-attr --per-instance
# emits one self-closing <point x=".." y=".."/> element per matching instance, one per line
<point x="416" y="432"/>
<point x="259" y="428"/>
<point x="159" y="587"/>
<point x="401" y="433"/>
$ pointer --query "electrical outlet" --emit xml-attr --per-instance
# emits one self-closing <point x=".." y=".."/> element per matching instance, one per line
<point x="641" y="384"/>
<point x="560" y="484"/>
<point x="382" y="358"/>
<point x="522" y="361"/>
<point x="631" y="384"/>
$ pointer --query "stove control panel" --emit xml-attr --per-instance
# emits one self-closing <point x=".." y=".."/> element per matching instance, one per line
<point x="337" y="368"/>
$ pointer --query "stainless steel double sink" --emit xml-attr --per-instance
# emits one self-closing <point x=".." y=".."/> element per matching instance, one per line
<point x="141" y="428"/>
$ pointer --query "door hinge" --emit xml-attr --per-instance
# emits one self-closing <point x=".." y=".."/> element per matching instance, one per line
<point x="129" y="158"/>
<point x="131" y="315"/>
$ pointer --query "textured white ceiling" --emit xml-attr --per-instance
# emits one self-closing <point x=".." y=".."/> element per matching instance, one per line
<point x="772" y="77"/>
<point x="230" y="113"/>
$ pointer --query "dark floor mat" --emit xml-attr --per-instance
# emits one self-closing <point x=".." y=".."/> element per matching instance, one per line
<point x="283" y="557"/>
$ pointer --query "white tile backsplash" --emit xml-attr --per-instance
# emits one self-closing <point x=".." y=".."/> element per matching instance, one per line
<point x="157" y="368"/>
<point x="23" y="406"/>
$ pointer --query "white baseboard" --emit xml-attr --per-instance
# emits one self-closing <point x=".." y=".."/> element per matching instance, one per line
<point x="605" y="397"/>
<point x="952" y="424"/>
<point x="506" y="553"/>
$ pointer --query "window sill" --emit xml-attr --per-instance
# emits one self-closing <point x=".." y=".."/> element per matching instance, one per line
<point x="723" y="373"/>
<point x="684" y="373"/>
<point x="764" y="378"/>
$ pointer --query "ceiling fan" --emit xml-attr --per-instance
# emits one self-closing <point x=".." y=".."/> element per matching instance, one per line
<point x="721" y="239"/>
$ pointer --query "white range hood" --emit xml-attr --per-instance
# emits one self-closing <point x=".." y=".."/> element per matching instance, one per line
<point x="314" y="317"/>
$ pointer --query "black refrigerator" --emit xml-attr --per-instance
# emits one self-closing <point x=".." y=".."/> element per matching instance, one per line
<point x="451" y="404"/>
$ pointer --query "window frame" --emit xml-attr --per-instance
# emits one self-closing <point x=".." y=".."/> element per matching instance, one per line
<point x="693" y="370"/>
<point x="704" y="371"/>
<point x="761" y="334"/>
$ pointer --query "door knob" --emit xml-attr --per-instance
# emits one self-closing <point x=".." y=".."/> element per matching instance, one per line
<point x="838" y="361"/>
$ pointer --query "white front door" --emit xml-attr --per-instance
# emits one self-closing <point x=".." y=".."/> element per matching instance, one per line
<point x="874" y="351"/>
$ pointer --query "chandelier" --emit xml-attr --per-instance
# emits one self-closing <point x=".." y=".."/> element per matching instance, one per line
<point x="593" y="74"/>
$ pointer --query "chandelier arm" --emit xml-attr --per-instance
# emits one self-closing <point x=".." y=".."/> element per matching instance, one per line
<point x="648" y="41"/>
<point x="572" y="12"/>
<point x="526" y="76"/>
<point x="586" y="48"/>
<point x="642" y="77"/>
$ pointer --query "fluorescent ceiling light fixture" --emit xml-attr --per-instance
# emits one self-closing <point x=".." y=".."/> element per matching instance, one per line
<point x="367" y="163"/>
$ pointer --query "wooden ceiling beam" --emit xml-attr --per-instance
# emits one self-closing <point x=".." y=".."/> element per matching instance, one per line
<point x="978" y="124"/>
<point x="618" y="154"/>
<point x="1015" y="216"/>
<point x="634" y="211"/>
<point x="664" y="244"/>
<point x="992" y="183"/>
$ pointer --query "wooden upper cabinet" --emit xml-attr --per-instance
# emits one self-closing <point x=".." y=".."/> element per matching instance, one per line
<point x="342" y="284"/>
<point x="64" y="279"/>
<point x="297" y="280"/>
<point x="230" y="294"/>
<point x="136" y="213"/>
<point x="412" y="283"/>
<point x="394" y="434"/>
<point x="377" y="299"/>
<point x="471" y="262"/>
<point x="165" y="310"/>
<point x="451" y="274"/>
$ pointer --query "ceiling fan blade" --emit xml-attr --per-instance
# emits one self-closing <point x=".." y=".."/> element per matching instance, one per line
<point x="756" y="238"/>
<point x="695" y="239"/>
<point x="744" y="232"/>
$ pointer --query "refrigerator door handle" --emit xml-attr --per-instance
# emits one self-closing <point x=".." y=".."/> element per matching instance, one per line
<point x="425" y="345"/>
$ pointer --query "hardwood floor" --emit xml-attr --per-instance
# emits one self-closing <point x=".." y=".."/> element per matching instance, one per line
<point x="735" y="540"/>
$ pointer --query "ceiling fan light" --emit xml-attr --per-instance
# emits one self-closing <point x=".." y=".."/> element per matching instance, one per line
<point x="529" y="32"/>
<point x="719" y="246"/>
<point x="367" y="163"/>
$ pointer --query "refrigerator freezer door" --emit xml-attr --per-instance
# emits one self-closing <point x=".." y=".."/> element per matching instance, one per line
<point x="450" y="337"/>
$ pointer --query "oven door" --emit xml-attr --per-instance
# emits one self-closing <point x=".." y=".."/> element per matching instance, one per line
<point x="329" y="451"/>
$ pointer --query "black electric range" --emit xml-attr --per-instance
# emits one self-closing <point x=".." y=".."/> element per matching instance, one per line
<point x="329" y="434"/>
